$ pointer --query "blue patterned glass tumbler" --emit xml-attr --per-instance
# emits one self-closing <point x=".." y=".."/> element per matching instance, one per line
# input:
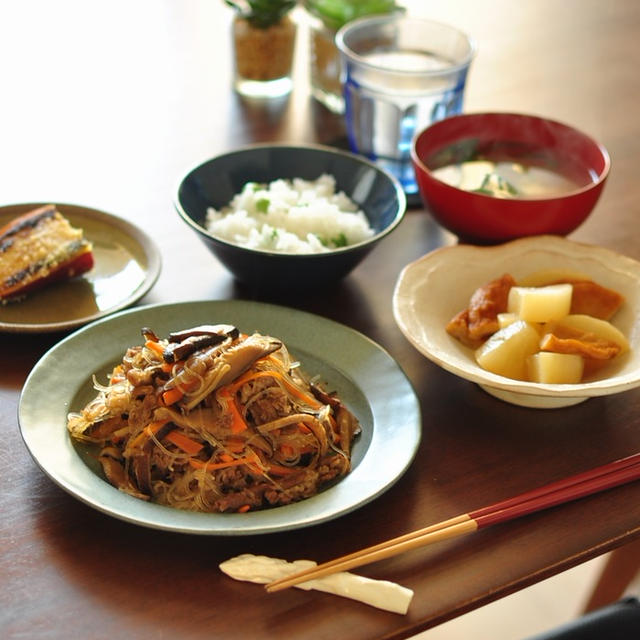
<point x="399" y="75"/>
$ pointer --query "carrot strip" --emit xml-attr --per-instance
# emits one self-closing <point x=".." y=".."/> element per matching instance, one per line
<point x="167" y="367"/>
<point x="238" y="425"/>
<point x="151" y="429"/>
<point x="116" y="374"/>
<point x="184" y="442"/>
<point x="244" y="508"/>
<point x="171" y="396"/>
<point x="155" y="346"/>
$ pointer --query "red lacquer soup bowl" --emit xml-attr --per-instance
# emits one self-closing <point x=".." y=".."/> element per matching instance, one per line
<point x="561" y="173"/>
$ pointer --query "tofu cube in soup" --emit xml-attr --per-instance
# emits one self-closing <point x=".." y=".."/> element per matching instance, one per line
<point x="505" y="353"/>
<point x="555" y="368"/>
<point x="540" y="304"/>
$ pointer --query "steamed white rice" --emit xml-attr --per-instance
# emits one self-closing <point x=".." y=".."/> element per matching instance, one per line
<point x="290" y="216"/>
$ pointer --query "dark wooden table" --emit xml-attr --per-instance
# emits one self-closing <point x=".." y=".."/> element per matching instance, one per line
<point x="106" y="105"/>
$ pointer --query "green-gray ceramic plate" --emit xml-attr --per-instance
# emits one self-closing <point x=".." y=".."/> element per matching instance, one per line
<point x="367" y="378"/>
<point x="127" y="264"/>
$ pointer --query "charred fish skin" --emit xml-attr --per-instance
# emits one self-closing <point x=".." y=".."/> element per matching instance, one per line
<point x="38" y="248"/>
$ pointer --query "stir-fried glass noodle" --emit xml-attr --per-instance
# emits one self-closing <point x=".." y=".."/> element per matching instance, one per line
<point x="213" y="420"/>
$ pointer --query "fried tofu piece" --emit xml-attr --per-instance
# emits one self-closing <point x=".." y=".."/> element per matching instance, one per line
<point x="475" y="324"/>
<point x="458" y="327"/>
<point x="583" y="343"/>
<point x="592" y="299"/>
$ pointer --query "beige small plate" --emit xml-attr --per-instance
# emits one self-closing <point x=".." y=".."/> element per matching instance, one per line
<point x="127" y="264"/>
<point x="431" y="290"/>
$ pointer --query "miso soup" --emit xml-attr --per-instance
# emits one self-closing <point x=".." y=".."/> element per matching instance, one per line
<point x="507" y="169"/>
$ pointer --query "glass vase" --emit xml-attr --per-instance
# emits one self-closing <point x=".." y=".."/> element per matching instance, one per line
<point x="263" y="58"/>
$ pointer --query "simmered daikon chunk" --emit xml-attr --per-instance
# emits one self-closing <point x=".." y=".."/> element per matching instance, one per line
<point x="505" y="319"/>
<point x="506" y="351"/>
<point x="540" y="304"/>
<point x="555" y="368"/>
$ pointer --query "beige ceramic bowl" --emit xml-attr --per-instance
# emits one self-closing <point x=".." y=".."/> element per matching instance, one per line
<point x="431" y="290"/>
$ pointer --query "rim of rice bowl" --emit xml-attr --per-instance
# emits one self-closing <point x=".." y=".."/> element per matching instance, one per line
<point x="376" y="235"/>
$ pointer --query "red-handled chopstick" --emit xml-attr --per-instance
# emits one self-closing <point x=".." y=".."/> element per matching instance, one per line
<point x="573" y="487"/>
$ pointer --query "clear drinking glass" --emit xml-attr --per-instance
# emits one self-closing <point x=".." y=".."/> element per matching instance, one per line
<point x="400" y="74"/>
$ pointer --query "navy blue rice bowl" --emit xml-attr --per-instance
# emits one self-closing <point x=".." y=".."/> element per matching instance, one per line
<point x="214" y="183"/>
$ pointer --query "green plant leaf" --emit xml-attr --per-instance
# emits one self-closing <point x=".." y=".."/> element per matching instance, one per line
<point x="262" y="13"/>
